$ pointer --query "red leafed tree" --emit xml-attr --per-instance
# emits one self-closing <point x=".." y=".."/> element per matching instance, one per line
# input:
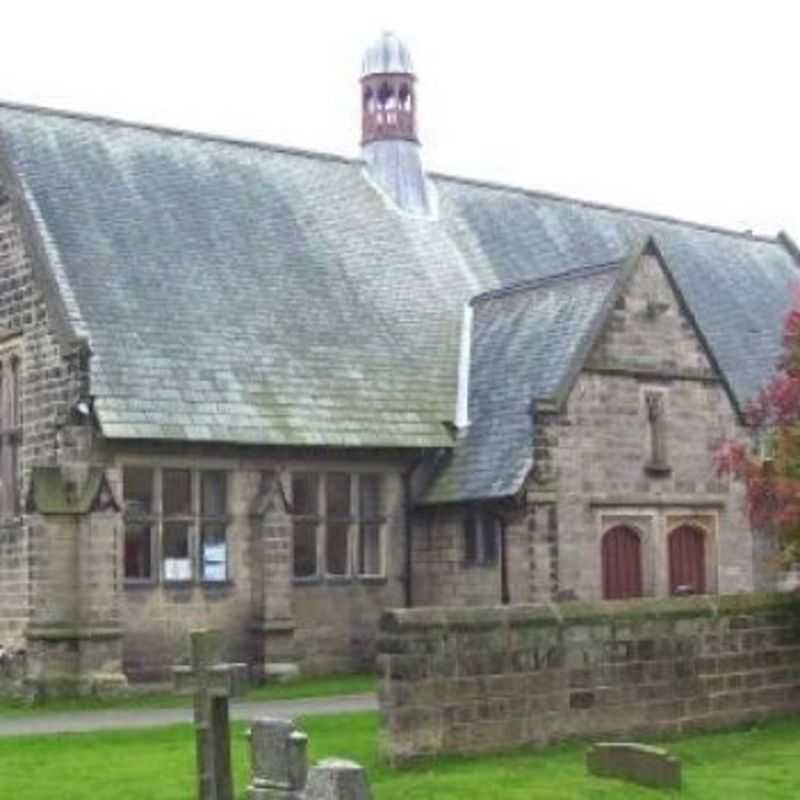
<point x="772" y="477"/>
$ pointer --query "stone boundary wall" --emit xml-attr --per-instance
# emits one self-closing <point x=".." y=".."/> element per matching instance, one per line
<point x="483" y="679"/>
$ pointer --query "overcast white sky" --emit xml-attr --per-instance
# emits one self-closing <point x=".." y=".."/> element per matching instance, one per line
<point x="682" y="108"/>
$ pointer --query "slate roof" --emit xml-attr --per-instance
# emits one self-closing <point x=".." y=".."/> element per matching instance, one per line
<point x="526" y="343"/>
<point x="236" y="292"/>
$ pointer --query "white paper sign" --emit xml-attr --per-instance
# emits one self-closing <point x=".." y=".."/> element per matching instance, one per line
<point x="214" y="572"/>
<point x="214" y="553"/>
<point x="215" y="557"/>
<point x="177" y="569"/>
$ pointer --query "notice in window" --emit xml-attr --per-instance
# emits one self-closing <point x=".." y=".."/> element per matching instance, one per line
<point x="215" y="562"/>
<point x="177" y="569"/>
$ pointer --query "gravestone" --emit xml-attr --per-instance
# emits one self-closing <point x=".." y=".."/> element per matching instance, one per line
<point x="280" y="768"/>
<point x="214" y="684"/>
<point x="278" y="760"/>
<point x="338" y="779"/>
<point x="637" y="763"/>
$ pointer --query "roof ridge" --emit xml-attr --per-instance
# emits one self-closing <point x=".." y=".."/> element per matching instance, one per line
<point x="790" y="245"/>
<point x="318" y="154"/>
<point x="560" y="198"/>
<point x="560" y="277"/>
<point x="185" y="133"/>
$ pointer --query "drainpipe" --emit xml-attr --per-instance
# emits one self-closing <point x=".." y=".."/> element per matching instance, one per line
<point x="505" y="594"/>
<point x="408" y="584"/>
<point x="409" y="566"/>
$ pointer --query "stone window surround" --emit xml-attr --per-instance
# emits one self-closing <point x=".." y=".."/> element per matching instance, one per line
<point x="156" y="519"/>
<point x="654" y="527"/>
<point x="11" y="435"/>
<point x="353" y="521"/>
<point x="708" y="524"/>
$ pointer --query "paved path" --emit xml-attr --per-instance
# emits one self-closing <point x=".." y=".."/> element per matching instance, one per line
<point x="75" y="721"/>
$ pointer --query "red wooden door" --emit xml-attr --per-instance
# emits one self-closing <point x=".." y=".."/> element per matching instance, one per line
<point x="622" y="563"/>
<point x="687" y="561"/>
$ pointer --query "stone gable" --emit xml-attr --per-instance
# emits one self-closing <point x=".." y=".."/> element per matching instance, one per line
<point x="649" y="330"/>
<point x="594" y="457"/>
<point x="50" y="377"/>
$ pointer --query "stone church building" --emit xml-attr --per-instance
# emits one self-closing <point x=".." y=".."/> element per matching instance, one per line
<point x="277" y="392"/>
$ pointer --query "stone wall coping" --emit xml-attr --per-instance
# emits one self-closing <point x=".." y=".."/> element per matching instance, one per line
<point x="57" y="633"/>
<point x="597" y="613"/>
<point x="676" y="501"/>
<point x="274" y="626"/>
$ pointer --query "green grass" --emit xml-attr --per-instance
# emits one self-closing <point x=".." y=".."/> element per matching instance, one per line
<point x="761" y="763"/>
<point x="306" y="688"/>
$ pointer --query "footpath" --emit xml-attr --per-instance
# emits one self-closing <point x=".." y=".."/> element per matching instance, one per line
<point x="119" y="719"/>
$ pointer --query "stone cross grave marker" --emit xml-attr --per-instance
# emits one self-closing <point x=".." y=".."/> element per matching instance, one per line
<point x="214" y="683"/>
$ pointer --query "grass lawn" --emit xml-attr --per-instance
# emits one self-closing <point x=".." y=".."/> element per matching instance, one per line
<point x="761" y="763"/>
<point x="306" y="688"/>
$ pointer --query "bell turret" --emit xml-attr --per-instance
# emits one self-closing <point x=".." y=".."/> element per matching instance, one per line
<point x="387" y="92"/>
<point x="389" y="143"/>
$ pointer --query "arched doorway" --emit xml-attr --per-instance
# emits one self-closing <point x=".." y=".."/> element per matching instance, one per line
<point x="622" y="563"/>
<point x="687" y="560"/>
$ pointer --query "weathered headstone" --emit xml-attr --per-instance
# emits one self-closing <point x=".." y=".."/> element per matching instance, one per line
<point x="214" y="683"/>
<point x="280" y="768"/>
<point x="279" y="761"/>
<point x="338" y="779"/>
<point x="638" y="763"/>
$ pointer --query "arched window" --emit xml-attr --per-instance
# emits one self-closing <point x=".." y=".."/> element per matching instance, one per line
<point x="405" y="97"/>
<point x="369" y="100"/>
<point x="385" y="95"/>
<point x="687" y="560"/>
<point x="622" y="563"/>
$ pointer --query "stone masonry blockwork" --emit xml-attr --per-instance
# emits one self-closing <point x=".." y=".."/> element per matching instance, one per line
<point x="49" y="379"/>
<point x="329" y="623"/>
<point x="14" y="585"/>
<point x="591" y="458"/>
<point x="441" y="575"/>
<point x="483" y="679"/>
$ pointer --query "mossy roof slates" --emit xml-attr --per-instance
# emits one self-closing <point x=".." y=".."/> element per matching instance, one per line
<point x="523" y="345"/>
<point x="208" y="272"/>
